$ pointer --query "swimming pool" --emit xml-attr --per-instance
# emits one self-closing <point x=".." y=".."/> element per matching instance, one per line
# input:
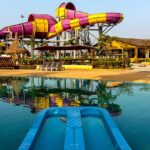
<point x="21" y="98"/>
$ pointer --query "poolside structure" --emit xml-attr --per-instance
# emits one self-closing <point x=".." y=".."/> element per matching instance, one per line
<point x="60" y="52"/>
<point x="15" y="48"/>
<point x="74" y="129"/>
<point x="12" y="52"/>
<point x="135" y="49"/>
<point x="2" y="47"/>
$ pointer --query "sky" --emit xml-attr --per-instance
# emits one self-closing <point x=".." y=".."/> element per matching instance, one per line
<point x="136" y="23"/>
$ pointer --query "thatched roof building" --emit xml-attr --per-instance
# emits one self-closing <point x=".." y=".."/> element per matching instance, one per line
<point x="140" y="43"/>
<point x="2" y="47"/>
<point x="130" y="47"/>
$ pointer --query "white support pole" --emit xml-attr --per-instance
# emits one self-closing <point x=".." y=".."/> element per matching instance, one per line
<point x="74" y="54"/>
<point x="57" y="54"/>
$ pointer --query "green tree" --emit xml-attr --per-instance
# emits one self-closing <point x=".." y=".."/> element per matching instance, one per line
<point x="103" y="42"/>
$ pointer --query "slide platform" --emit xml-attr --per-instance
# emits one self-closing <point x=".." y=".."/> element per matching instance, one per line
<point x="74" y="128"/>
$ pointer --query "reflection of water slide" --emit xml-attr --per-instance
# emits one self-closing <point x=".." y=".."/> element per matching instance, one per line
<point x="45" y="26"/>
<point x="55" y="100"/>
<point x="49" y="101"/>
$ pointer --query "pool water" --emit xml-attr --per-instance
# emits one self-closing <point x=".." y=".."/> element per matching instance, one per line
<point x="52" y="135"/>
<point x="23" y="97"/>
<point x="95" y="134"/>
<point x="14" y="124"/>
<point x="134" y="121"/>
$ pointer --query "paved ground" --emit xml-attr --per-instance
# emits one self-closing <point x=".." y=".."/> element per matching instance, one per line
<point x="138" y="74"/>
<point x="139" y="67"/>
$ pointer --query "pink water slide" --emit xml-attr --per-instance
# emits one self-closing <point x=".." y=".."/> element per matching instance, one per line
<point x="45" y="26"/>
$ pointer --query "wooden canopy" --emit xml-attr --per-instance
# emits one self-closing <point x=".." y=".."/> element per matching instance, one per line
<point x="18" y="51"/>
<point x="14" y="48"/>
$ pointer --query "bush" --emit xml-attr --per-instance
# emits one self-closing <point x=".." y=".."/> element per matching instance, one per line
<point x="30" y="62"/>
<point x="27" y="67"/>
<point x="111" y="63"/>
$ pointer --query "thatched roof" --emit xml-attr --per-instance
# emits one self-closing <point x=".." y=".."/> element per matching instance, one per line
<point x="14" y="48"/>
<point x="15" y="51"/>
<point x="141" y="43"/>
<point x="2" y="44"/>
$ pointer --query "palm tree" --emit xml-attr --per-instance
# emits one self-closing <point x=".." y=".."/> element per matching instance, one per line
<point x="104" y="41"/>
<point x="102" y="44"/>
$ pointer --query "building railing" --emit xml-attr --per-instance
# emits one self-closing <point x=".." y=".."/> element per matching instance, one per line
<point x="7" y="62"/>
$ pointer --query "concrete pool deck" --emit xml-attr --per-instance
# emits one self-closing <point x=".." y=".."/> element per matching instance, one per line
<point x="134" y="75"/>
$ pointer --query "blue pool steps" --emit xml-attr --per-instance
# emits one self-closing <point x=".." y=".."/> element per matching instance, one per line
<point x="74" y="128"/>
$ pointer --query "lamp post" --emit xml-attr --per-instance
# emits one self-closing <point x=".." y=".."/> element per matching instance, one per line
<point x="22" y="16"/>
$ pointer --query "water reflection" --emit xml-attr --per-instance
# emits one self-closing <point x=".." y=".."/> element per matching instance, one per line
<point x="145" y="88"/>
<point x="128" y="99"/>
<point x="106" y="98"/>
<point x="38" y="93"/>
